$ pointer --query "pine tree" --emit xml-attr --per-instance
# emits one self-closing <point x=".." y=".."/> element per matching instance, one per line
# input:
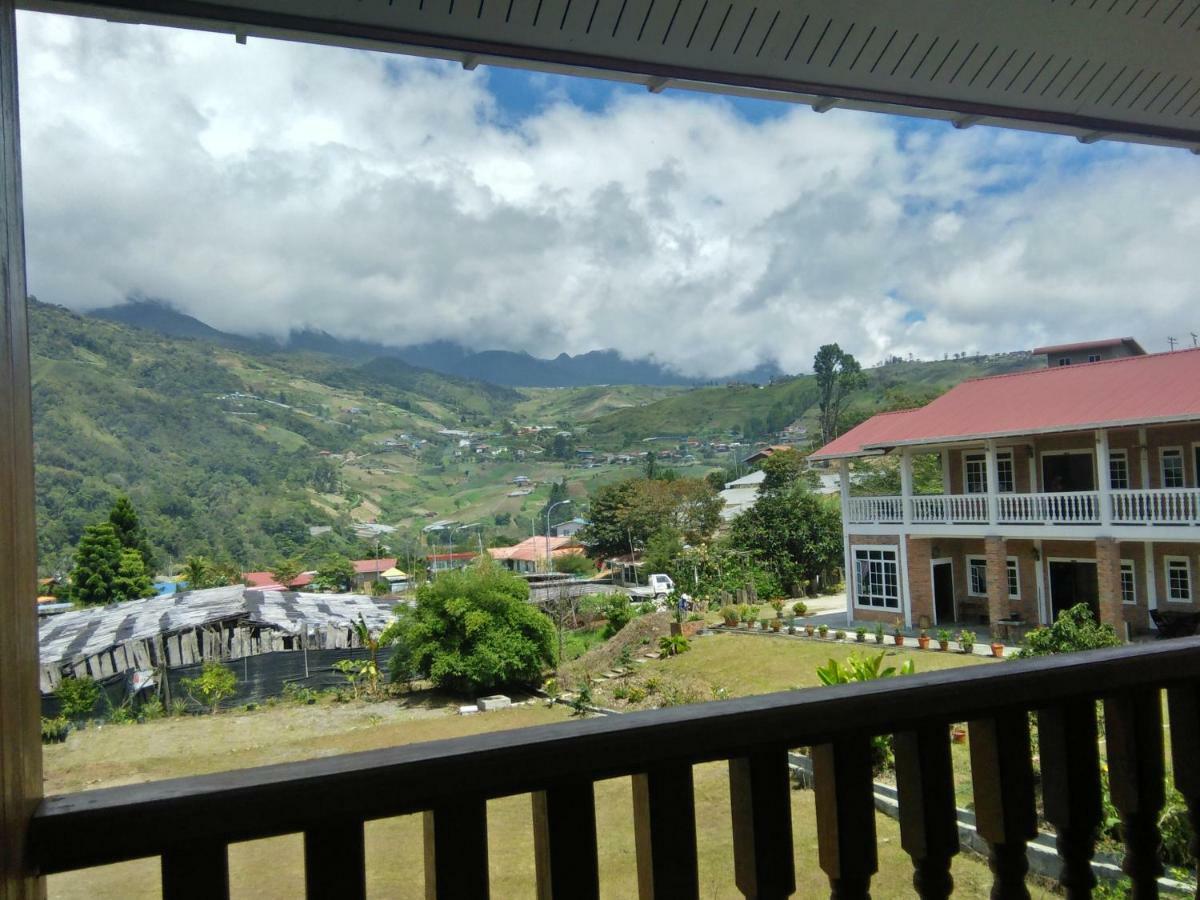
<point x="131" y="581"/>
<point x="124" y="520"/>
<point x="97" y="561"/>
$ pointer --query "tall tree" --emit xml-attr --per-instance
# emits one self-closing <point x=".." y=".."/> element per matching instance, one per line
<point x="128" y="527"/>
<point x="286" y="571"/>
<point x="131" y="581"/>
<point x="781" y="470"/>
<point x="795" y="534"/>
<point x="336" y="574"/>
<point x="558" y="493"/>
<point x="629" y="512"/>
<point x="97" y="561"/>
<point x="196" y="571"/>
<point x="838" y="374"/>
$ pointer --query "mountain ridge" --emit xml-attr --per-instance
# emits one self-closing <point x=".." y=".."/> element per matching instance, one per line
<point x="507" y="368"/>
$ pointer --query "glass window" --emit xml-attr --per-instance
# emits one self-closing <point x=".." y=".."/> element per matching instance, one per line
<point x="878" y="579"/>
<point x="1004" y="473"/>
<point x="1093" y="357"/>
<point x="1172" y="467"/>
<point x="1118" y="470"/>
<point x="1128" y="592"/>
<point x="975" y="473"/>
<point x="1179" y="581"/>
<point x="1064" y="361"/>
<point x="1014" y="581"/>
<point x="977" y="576"/>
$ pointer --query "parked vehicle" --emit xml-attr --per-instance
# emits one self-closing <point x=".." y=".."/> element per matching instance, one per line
<point x="658" y="587"/>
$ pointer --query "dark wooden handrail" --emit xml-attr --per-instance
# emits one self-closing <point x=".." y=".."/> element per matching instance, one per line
<point x="451" y="778"/>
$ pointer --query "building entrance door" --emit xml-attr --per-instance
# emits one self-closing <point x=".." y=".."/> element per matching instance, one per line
<point x="943" y="592"/>
<point x="1073" y="582"/>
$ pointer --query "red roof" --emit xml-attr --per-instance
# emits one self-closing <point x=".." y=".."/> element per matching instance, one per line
<point x="1132" y="391"/>
<point x="373" y="566"/>
<point x="533" y="549"/>
<point x="266" y="581"/>
<point x="1090" y="345"/>
<point x="446" y="557"/>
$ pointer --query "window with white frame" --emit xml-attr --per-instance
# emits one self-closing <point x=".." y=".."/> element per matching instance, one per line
<point x="1093" y="357"/>
<point x="1005" y="483"/>
<point x="1179" y="579"/>
<point x="1128" y="590"/>
<point x="1064" y="360"/>
<point x="975" y="473"/>
<point x="977" y="576"/>
<point x="1171" y="460"/>
<point x="1118" y="469"/>
<point x="877" y="578"/>
<point x="1014" y="579"/>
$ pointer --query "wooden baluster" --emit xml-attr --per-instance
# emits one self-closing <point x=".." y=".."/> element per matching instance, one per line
<point x="844" y="792"/>
<point x="564" y="842"/>
<point x="928" y="816"/>
<point x="199" y="872"/>
<point x="1005" y="815"/>
<point x="1133" y="732"/>
<point x="664" y="827"/>
<point x="1070" y="760"/>
<point x="760" y="796"/>
<point x="335" y="865"/>
<point x="456" y="851"/>
<point x="1183" y="704"/>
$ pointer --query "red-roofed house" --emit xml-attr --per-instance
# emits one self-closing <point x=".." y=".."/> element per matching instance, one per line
<point x="1060" y="485"/>
<point x="367" y="571"/>
<point x="531" y="554"/>
<point x="265" y="581"/>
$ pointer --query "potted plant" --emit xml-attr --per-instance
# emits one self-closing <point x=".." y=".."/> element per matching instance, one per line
<point x="776" y="624"/>
<point x="799" y="608"/>
<point x="860" y="635"/>
<point x="966" y="640"/>
<point x="923" y="639"/>
<point x="997" y="650"/>
<point x="958" y="734"/>
<point x="897" y="636"/>
<point x="764" y="624"/>
<point x="879" y="633"/>
<point x="839" y="635"/>
<point x="777" y="605"/>
<point x="943" y="636"/>
<point x="729" y="615"/>
<point x="824" y="630"/>
<point x="791" y="625"/>
<point x="745" y="615"/>
<point x="809" y="628"/>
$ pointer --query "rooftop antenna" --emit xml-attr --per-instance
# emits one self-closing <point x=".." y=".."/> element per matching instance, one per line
<point x="1195" y="339"/>
<point x="1172" y="342"/>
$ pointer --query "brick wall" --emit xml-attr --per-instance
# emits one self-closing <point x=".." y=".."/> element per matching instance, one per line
<point x="996" y="552"/>
<point x="920" y="580"/>
<point x="1108" y="584"/>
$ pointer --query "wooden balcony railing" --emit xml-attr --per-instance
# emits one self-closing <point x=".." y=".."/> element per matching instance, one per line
<point x="190" y="822"/>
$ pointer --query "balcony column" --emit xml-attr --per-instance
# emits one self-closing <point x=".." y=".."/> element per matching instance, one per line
<point x="848" y="576"/>
<point x="1108" y="584"/>
<point x="906" y="490"/>
<point x="906" y="521"/>
<point x="944" y="456"/>
<point x="1104" y="478"/>
<point x="996" y="551"/>
<point x="1143" y="460"/>
<point x="20" y="706"/>
<point x="993" y="484"/>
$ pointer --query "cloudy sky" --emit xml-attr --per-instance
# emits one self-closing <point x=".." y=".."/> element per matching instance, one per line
<point x="275" y="186"/>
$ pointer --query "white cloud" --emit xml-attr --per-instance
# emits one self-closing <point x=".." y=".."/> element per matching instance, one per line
<point x="274" y="185"/>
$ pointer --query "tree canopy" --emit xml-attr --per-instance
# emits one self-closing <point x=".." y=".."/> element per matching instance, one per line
<point x="838" y="374"/>
<point x="793" y="533"/>
<point x="631" y="511"/>
<point x="473" y="630"/>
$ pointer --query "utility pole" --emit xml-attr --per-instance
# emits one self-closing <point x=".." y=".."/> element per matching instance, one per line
<point x="1172" y="342"/>
<point x="549" y="558"/>
<point x="1195" y="339"/>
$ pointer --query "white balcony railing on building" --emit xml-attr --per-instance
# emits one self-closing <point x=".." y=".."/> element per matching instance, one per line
<point x="1179" y="506"/>
<point x="1153" y="507"/>
<point x="1068" y="507"/>
<point x="875" y="510"/>
<point x="950" y="508"/>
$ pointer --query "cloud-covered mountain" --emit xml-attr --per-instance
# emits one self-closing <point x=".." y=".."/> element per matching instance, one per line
<point x="503" y="367"/>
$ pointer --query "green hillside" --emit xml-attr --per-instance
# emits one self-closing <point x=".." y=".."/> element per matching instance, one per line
<point x="759" y="410"/>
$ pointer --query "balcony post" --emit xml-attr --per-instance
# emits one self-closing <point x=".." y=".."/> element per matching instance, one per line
<point x="1104" y="477"/>
<point x="848" y="576"/>
<point x="993" y="485"/>
<point x="20" y="706"/>
<point x="906" y="488"/>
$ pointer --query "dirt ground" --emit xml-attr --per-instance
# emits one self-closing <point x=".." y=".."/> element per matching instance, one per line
<point x="100" y="757"/>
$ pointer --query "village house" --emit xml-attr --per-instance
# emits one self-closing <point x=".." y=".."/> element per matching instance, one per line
<point x="1062" y="485"/>
<point x="531" y="554"/>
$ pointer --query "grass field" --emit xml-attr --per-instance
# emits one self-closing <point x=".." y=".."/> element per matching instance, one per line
<point x="274" y="868"/>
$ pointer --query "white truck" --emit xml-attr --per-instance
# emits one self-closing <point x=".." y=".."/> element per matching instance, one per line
<point x="658" y="587"/>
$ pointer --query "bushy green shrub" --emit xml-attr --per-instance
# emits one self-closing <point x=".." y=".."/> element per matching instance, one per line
<point x="1074" y="629"/>
<point x="214" y="684"/>
<point x="474" y="630"/>
<point x="77" y="697"/>
<point x="617" y="611"/>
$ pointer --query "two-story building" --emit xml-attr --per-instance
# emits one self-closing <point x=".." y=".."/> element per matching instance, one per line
<point x="1068" y="484"/>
